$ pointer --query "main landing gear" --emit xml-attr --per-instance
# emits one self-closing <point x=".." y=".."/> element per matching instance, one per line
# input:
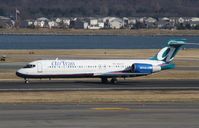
<point x="104" y="80"/>
<point x="113" y="80"/>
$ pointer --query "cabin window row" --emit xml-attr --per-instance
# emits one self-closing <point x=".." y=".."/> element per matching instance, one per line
<point x="100" y="66"/>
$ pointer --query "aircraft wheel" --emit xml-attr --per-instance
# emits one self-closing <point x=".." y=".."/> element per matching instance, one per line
<point x="114" y="81"/>
<point x="104" y="80"/>
<point x="26" y="81"/>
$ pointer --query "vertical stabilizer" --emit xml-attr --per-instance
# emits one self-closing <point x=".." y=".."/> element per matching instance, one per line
<point x="168" y="53"/>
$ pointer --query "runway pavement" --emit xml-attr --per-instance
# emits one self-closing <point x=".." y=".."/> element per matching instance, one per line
<point x="90" y="85"/>
<point x="136" y="115"/>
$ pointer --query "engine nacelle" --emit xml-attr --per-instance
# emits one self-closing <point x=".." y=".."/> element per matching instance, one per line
<point x="144" y="68"/>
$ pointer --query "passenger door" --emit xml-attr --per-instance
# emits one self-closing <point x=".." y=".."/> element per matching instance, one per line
<point x="39" y="68"/>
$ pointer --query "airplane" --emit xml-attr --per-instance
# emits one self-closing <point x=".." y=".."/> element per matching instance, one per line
<point x="103" y="68"/>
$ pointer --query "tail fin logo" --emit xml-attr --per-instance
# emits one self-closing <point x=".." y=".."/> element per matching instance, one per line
<point x="168" y="53"/>
<point x="165" y="54"/>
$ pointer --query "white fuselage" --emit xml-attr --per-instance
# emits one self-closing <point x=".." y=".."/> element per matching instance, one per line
<point x="104" y="69"/>
<point x="78" y="68"/>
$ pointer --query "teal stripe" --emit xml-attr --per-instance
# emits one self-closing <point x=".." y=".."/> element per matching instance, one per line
<point x="168" y="66"/>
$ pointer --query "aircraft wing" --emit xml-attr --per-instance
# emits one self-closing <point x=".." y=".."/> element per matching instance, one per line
<point x="121" y="74"/>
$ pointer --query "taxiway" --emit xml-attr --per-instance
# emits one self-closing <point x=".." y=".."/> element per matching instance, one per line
<point x="139" y="115"/>
<point x="84" y="85"/>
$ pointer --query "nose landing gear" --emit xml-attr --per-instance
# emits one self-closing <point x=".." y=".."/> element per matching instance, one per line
<point x="26" y="81"/>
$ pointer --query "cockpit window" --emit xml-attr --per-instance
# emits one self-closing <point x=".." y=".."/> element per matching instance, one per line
<point x="29" y="66"/>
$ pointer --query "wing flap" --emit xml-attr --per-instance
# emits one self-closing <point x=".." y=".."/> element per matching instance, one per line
<point x="120" y="74"/>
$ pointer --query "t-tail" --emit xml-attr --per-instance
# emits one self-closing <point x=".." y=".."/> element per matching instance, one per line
<point x="168" y="53"/>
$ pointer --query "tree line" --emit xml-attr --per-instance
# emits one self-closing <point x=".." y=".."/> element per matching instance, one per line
<point x="81" y="8"/>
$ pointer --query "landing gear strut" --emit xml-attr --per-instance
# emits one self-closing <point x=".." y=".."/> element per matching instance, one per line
<point x="104" y="80"/>
<point x="113" y="80"/>
<point x="26" y="81"/>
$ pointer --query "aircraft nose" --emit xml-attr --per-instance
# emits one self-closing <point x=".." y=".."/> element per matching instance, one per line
<point x="19" y="73"/>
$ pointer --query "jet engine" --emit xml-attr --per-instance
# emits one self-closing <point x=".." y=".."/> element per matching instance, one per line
<point x="144" y="68"/>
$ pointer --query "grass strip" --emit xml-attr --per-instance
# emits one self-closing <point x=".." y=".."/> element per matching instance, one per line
<point x="80" y="97"/>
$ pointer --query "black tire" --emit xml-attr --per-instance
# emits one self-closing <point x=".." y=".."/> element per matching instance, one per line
<point x="26" y="81"/>
<point x="113" y="80"/>
<point x="104" y="80"/>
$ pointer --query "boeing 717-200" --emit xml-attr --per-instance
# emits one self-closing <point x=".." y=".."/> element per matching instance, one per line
<point x="105" y="69"/>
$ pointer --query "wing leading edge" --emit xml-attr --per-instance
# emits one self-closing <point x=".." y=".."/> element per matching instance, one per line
<point x="120" y="74"/>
